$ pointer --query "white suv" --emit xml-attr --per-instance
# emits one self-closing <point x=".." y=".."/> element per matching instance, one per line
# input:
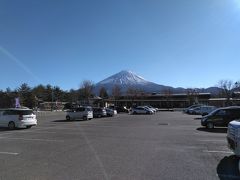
<point x="17" y="118"/>
<point x="85" y="113"/>
<point x="233" y="136"/>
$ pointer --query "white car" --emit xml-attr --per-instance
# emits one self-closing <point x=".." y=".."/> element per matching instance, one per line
<point x="17" y="118"/>
<point x="151" y="108"/>
<point x="85" y="113"/>
<point x="141" y="110"/>
<point x="233" y="137"/>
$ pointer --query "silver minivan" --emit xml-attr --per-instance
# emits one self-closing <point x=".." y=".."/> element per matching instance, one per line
<point x="85" y="113"/>
<point x="17" y="118"/>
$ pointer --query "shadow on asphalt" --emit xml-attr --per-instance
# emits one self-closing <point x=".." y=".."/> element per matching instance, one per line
<point x="6" y="129"/>
<point x="198" y="118"/>
<point x="214" y="130"/>
<point x="68" y="121"/>
<point x="228" y="169"/>
<point x="64" y="120"/>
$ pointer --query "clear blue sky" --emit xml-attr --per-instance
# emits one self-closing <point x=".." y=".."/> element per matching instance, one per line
<point x="187" y="43"/>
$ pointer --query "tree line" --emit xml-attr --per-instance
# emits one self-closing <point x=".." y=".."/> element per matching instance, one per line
<point x="32" y="96"/>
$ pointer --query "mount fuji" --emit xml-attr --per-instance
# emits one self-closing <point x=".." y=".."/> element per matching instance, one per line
<point x="128" y="79"/>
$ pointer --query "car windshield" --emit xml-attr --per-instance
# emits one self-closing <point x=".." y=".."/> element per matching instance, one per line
<point x="214" y="112"/>
<point x="90" y="109"/>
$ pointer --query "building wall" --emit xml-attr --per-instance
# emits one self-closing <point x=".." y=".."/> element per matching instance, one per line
<point x="160" y="101"/>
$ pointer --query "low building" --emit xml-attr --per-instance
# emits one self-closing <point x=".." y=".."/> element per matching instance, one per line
<point x="161" y="100"/>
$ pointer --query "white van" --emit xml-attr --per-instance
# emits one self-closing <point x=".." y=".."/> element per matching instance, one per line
<point x="85" y="113"/>
<point x="233" y="137"/>
<point x="17" y="118"/>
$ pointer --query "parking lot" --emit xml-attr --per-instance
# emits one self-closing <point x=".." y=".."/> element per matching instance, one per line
<point x="167" y="145"/>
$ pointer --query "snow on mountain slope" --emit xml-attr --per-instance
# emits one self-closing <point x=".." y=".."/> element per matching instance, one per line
<point x="128" y="79"/>
<point x="124" y="78"/>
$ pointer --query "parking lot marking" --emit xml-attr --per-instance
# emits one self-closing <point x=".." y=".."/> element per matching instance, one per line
<point x="225" y="152"/>
<point x="213" y="140"/>
<point x="9" y="153"/>
<point x="95" y="155"/>
<point x="27" y="139"/>
<point x="2" y="134"/>
<point x="40" y="132"/>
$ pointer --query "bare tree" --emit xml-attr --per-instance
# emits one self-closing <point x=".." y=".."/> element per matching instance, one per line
<point x="116" y="92"/>
<point x="227" y="87"/>
<point x="167" y="93"/>
<point x="192" y="95"/>
<point x="86" y="90"/>
<point x="103" y="93"/>
<point x="132" y="94"/>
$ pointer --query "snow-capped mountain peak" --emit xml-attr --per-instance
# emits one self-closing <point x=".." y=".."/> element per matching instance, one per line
<point x="124" y="77"/>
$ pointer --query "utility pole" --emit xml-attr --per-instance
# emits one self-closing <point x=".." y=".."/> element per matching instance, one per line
<point x="52" y="101"/>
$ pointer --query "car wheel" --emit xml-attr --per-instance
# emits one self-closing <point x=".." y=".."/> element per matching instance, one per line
<point x="68" y="118"/>
<point x="28" y="127"/>
<point x="85" y="118"/>
<point x="210" y="125"/>
<point x="99" y="116"/>
<point x="11" y="125"/>
<point x="134" y="112"/>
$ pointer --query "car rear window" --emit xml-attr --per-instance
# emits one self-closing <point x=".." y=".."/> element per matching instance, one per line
<point x="89" y="109"/>
<point x="25" y="112"/>
<point x="18" y="112"/>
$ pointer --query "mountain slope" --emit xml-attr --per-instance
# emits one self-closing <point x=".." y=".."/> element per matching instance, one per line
<point x="126" y="80"/>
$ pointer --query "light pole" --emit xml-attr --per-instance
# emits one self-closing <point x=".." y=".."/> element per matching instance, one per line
<point x="237" y="93"/>
<point x="52" y="100"/>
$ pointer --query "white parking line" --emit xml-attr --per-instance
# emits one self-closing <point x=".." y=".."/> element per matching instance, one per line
<point x="40" y="132"/>
<point x="213" y="140"/>
<point x="2" y="134"/>
<point x="9" y="153"/>
<point x="225" y="152"/>
<point x="26" y="139"/>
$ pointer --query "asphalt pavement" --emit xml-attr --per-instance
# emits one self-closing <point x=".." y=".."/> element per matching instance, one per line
<point x="164" y="146"/>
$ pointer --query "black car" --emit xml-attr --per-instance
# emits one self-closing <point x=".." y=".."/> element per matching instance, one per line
<point x="119" y="109"/>
<point x="221" y="117"/>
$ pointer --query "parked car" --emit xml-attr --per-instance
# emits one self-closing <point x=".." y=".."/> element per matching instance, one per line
<point x="141" y="110"/>
<point x="85" y="113"/>
<point x="111" y="112"/>
<point x="119" y="109"/>
<point x="202" y="110"/>
<point x="233" y="136"/>
<point x="221" y="117"/>
<point x="99" y="112"/>
<point x="17" y="118"/>
<point x="186" y="110"/>
<point x="152" y="108"/>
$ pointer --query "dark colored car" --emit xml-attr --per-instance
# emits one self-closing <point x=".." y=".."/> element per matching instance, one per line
<point x="99" y="112"/>
<point x="221" y="117"/>
<point x="186" y="110"/>
<point x="119" y="109"/>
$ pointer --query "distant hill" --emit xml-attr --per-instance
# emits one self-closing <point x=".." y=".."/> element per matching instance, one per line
<point x="128" y="79"/>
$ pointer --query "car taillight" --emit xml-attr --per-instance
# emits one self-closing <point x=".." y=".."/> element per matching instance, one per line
<point x="20" y="117"/>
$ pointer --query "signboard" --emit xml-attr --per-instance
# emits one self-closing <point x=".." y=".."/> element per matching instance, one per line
<point x="17" y="102"/>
